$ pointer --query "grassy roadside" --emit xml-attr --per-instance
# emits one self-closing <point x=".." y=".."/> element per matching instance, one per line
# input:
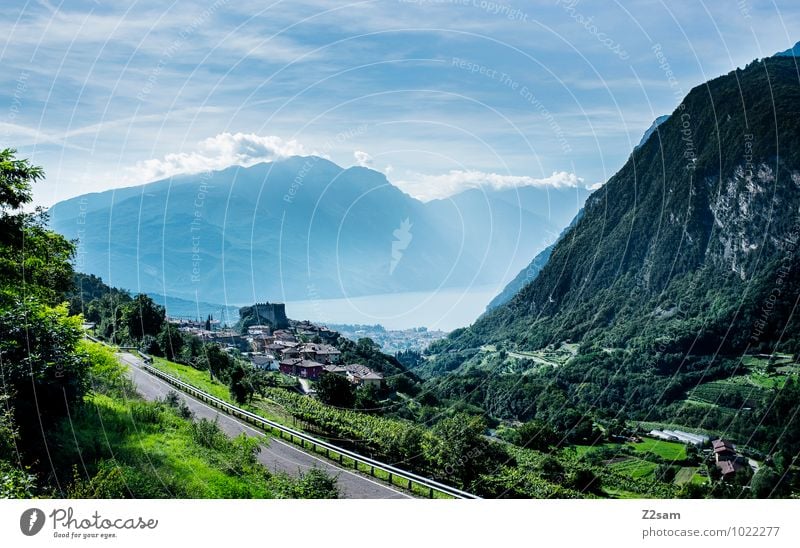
<point x="271" y="411"/>
<point x="131" y="448"/>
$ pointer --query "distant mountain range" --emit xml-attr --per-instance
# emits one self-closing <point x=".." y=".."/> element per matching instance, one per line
<point x="304" y="228"/>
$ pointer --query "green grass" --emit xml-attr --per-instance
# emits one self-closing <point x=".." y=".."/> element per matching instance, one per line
<point x="156" y="457"/>
<point x="195" y="377"/>
<point x="688" y="474"/>
<point x="667" y="450"/>
<point x="635" y="468"/>
<point x="615" y="493"/>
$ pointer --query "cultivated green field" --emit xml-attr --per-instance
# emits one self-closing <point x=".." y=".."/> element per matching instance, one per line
<point x="667" y="450"/>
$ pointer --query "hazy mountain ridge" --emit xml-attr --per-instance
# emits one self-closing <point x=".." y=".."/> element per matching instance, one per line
<point x="302" y="229"/>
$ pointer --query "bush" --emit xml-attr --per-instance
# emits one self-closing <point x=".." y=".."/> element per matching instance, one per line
<point x="208" y="434"/>
<point x="146" y="413"/>
<point x="114" y="480"/>
<point x="178" y="404"/>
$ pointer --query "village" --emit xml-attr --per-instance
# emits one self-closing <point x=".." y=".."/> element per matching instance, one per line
<point x="306" y="352"/>
<point x="300" y="349"/>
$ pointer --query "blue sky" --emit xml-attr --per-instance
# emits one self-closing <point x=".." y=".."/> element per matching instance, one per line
<point x="440" y="95"/>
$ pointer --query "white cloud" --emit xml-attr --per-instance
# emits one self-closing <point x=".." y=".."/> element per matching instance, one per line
<point x="362" y="158"/>
<point x="430" y="187"/>
<point x="216" y="153"/>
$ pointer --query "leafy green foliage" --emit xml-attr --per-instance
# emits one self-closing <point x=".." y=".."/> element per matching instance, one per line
<point x="44" y="374"/>
<point x="336" y="390"/>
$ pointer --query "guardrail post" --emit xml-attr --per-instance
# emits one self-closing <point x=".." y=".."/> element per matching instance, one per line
<point x="430" y="493"/>
<point x="390" y="478"/>
<point x="371" y="470"/>
<point x="409" y="485"/>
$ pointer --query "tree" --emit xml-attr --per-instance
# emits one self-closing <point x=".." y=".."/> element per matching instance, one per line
<point x="42" y="371"/>
<point x="218" y="362"/>
<point x="34" y="261"/>
<point x="366" y="398"/>
<point x="335" y="390"/>
<point x="143" y="317"/>
<point x="170" y="341"/>
<point x="767" y="483"/>
<point x="240" y="383"/>
<point x="456" y="447"/>
<point x="537" y="435"/>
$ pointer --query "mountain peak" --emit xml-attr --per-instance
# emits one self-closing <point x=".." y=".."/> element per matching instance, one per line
<point x="657" y="122"/>
<point x="794" y="51"/>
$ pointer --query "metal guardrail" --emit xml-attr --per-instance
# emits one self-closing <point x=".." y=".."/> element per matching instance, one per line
<point x="266" y="424"/>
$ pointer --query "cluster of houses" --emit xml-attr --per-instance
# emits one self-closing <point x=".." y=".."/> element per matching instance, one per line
<point x="281" y="349"/>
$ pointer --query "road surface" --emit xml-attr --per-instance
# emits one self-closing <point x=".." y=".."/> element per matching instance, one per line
<point x="275" y="454"/>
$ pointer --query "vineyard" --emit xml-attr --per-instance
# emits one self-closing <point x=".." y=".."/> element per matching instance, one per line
<point x="731" y="393"/>
<point x="454" y="450"/>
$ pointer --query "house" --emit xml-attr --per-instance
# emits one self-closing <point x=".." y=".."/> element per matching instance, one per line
<point x="335" y="369"/>
<point x="727" y="468"/>
<point x="727" y="459"/>
<point x="290" y="352"/>
<point x="259" y="343"/>
<point x="302" y="368"/>
<point x="231" y="338"/>
<point x="328" y="353"/>
<point x="259" y="330"/>
<point x="356" y="374"/>
<point x="283" y="335"/>
<point x="723" y="450"/>
<point x="265" y="361"/>
<point x="323" y="353"/>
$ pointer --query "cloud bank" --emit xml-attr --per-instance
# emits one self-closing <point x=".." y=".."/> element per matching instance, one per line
<point x="216" y="153"/>
<point x="246" y="149"/>
<point x="430" y="187"/>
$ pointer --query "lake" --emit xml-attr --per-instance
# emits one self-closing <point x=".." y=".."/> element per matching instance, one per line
<point x="445" y="309"/>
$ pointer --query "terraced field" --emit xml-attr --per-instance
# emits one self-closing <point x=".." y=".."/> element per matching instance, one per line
<point x="635" y="468"/>
<point x="736" y="393"/>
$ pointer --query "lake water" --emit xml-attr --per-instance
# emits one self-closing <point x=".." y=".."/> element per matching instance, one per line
<point x="446" y="309"/>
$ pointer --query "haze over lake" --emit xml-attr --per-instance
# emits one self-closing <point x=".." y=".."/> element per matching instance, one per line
<point x="446" y="309"/>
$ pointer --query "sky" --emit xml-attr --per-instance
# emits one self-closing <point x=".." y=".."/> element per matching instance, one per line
<point x="440" y="95"/>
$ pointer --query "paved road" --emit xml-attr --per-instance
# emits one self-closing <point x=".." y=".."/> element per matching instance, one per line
<point x="275" y="454"/>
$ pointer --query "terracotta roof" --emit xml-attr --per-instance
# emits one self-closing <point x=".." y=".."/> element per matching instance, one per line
<point x="722" y="446"/>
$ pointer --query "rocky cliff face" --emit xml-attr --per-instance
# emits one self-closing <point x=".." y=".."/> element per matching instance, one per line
<point x="701" y="219"/>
